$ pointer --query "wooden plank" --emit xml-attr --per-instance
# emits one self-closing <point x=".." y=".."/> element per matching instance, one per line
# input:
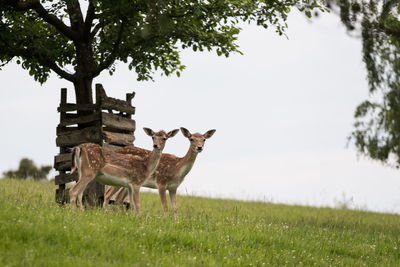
<point x="75" y="107"/>
<point x="65" y="130"/>
<point x="62" y="157"/>
<point x="111" y="147"/>
<point x="116" y="104"/>
<point x="86" y="135"/>
<point x="63" y="166"/>
<point x="64" y="178"/>
<point x="117" y="122"/>
<point x="75" y="119"/>
<point x="118" y="138"/>
<point x="63" y="162"/>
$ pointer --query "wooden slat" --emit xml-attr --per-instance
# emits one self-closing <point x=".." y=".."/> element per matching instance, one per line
<point x="63" y="157"/>
<point x="75" y="107"/>
<point x="70" y="120"/>
<point x="63" y="162"/>
<point x="118" y="138"/>
<point x="64" y="178"/>
<point x="111" y="147"/>
<point x="110" y="103"/>
<point x="116" y="104"/>
<point x="117" y="122"/>
<point x="63" y="166"/>
<point x="89" y="134"/>
<point x="65" y="130"/>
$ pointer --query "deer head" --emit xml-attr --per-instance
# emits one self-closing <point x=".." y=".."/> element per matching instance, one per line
<point x="159" y="138"/>
<point x="197" y="140"/>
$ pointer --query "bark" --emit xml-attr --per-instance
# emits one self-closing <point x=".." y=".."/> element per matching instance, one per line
<point x="84" y="73"/>
<point x="83" y="91"/>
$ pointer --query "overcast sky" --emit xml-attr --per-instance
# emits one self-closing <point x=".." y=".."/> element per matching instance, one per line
<point x="282" y="111"/>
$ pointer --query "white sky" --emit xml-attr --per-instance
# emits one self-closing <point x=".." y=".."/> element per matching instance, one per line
<point x="282" y="111"/>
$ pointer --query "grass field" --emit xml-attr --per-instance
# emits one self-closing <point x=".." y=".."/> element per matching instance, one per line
<point x="35" y="231"/>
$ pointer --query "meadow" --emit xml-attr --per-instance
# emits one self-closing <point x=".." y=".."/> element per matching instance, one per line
<point x="35" y="231"/>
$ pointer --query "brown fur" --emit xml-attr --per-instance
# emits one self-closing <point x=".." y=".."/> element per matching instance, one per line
<point x="130" y="171"/>
<point x="171" y="170"/>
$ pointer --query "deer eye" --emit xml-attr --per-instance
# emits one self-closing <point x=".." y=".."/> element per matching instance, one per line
<point x="204" y="140"/>
<point x="152" y="137"/>
<point x="191" y="139"/>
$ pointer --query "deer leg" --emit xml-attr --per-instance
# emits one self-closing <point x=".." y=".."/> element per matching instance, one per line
<point x="130" y="193"/>
<point x="109" y="193"/>
<point x="120" y="198"/>
<point x="73" y="194"/>
<point x="162" y="192"/>
<point x="172" y="196"/>
<point x="77" y="190"/>
<point x="136" y="189"/>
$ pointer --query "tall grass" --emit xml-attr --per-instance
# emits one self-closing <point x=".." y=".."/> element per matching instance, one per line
<point x="35" y="231"/>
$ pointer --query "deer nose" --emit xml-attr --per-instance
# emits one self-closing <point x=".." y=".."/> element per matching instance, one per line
<point x="155" y="146"/>
<point x="199" y="148"/>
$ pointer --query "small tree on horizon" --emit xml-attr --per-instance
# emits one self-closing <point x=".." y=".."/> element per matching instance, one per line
<point x="28" y="170"/>
<point x="48" y="35"/>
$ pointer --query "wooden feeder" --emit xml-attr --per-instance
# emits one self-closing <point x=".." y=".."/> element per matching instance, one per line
<point x="108" y="123"/>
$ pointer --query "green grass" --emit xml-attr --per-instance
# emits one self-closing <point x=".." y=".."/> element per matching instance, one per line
<point x="35" y="231"/>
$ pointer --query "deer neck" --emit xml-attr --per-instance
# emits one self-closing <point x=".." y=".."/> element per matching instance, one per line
<point x="152" y="161"/>
<point x="186" y="163"/>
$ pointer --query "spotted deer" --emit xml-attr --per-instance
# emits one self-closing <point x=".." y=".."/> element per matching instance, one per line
<point x="170" y="172"/>
<point x="116" y="169"/>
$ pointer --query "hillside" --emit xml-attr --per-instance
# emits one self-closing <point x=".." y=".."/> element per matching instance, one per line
<point x="35" y="231"/>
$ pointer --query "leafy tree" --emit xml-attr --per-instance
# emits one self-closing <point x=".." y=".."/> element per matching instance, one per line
<point x="377" y="127"/>
<point x="58" y="36"/>
<point x="28" y="170"/>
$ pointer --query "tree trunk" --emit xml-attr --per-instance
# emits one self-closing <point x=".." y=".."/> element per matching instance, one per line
<point x="84" y="73"/>
<point x="83" y="91"/>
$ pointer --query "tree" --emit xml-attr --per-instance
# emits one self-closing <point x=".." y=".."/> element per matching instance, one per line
<point x="56" y="36"/>
<point x="377" y="127"/>
<point x="28" y="170"/>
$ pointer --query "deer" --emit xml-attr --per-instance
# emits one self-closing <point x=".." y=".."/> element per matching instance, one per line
<point x="170" y="172"/>
<point x="116" y="169"/>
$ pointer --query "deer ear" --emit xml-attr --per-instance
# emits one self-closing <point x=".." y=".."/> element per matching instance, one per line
<point x="186" y="132"/>
<point x="148" y="131"/>
<point x="172" y="133"/>
<point x="209" y="133"/>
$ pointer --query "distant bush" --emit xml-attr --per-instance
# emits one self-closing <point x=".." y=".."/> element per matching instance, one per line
<point x="28" y="170"/>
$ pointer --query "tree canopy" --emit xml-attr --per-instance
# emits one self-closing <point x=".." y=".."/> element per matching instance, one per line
<point x="80" y="39"/>
<point x="377" y="127"/>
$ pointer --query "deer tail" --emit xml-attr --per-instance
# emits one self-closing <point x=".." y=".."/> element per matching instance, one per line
<point x="76" y="154"/>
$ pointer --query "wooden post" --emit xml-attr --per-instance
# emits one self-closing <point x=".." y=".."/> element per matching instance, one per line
<point x="61" y="193"/>
<point x="129" y="97"/>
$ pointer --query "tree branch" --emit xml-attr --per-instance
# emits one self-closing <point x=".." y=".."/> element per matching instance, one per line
<point x="45" y="61"/>
<point x="62" y="73"/>
<point x="89" y="20"/>
<point x="75" y="16"/>
<point x="111" y="58"/>
<point x="46" y="16"/>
